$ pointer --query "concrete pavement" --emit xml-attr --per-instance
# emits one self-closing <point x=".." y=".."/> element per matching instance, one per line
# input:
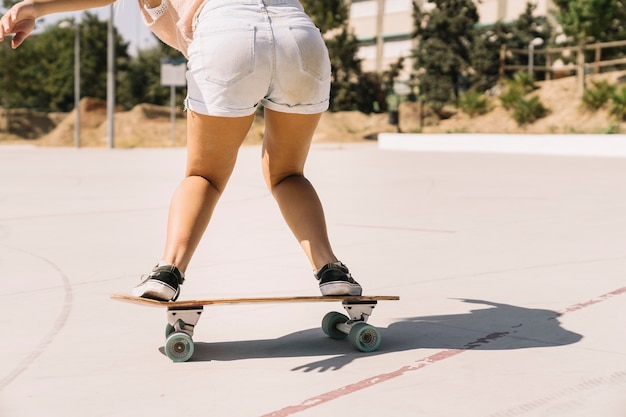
<point x="511" y="271"/>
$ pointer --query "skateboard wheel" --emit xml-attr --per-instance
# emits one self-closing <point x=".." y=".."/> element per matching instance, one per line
<point x="364" y="337"/>
<point x="169" y="329"/>
<point x="330" y="322"/>
<point x="179" y="347"/>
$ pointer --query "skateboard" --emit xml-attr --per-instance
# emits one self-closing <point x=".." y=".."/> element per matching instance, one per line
<point x="182" y="317"/>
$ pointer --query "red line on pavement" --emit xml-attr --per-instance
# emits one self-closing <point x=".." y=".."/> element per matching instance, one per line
<point x="366" y="383"/>
<point x="419" y="364"/>
<point x="604" y="297"/>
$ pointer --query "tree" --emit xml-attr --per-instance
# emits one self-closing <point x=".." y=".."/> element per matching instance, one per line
<point x="48" y="60"/>
<point x="40" y="73"/>
<point x="332" y="15"/>
<point x="94" y="57"/>
<point x="346" y="70"/>
<point x="593" y="21"/>
<point x="351" y="89"/>
<point x="142" y="82"/>
<point x="590" y="20"/>
<point x="372" y="97"/>
<point x="327" y="14"/>
<point x="442" y="57"/>
<point x="485" y="52"/>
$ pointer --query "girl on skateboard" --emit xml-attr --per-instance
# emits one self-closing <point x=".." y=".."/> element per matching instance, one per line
<point x="241" y="53"/>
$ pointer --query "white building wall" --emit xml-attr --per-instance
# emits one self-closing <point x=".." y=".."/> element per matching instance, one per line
<point x="396" y="25"/>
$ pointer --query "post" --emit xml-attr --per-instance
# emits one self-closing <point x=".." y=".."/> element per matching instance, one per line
<point x="380" y="42"/>
<point x="173" y="75"/>
<point x="173" y="113"/>
<point x="531" y="55"/>
<point x="580" y="67"/>
<point x="7" y="86"/>
<point x="502" y="62"/>
<point x="77" y="84"/>
<point x="111" y="81"/>
<point x="531" y="60"/>
<point x="75" y="26"/>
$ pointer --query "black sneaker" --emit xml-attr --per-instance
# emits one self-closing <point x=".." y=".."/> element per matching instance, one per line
<point x="162" y="284"/>
<point x="335" y="279"/>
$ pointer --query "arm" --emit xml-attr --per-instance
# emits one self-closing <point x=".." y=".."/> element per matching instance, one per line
<point x="20" y="19"/>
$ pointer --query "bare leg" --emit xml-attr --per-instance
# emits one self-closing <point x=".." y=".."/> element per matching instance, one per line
<point x="285" y="149"/>
<point x="212" y="147"/>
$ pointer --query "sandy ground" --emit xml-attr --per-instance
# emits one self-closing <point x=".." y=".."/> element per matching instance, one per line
<point x="560" y="97"/>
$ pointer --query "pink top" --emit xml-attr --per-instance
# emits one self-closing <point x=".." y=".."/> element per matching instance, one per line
<point x="172" y="21"/>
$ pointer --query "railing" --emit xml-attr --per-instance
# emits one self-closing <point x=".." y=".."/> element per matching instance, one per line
<point x="576" y="54"/>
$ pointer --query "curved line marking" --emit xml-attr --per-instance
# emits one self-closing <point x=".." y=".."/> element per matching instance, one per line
<point x="58" y="324"/>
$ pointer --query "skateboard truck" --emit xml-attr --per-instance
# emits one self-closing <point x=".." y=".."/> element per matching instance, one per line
<point x="179" y="332"/>
<point x="183" y="320"/>
<point x="359" y="310"/>
<point x="361" y="335"/>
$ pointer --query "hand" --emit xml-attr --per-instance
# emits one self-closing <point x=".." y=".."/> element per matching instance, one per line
<point x="19" y="20"/>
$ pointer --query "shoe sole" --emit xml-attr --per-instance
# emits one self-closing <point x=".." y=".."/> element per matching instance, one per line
<point x="340" y="288"/>
<point x="154" y="291"/>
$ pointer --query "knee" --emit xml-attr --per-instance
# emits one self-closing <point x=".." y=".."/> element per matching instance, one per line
<point x="285" y="182"/>
<point x="274" y="175"/>
<point x="277" y="171"/>
<point x="273" y="180"/>
<point x="205" y="181"/>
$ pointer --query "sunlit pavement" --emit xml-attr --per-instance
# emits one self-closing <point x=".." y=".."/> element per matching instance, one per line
<point x="510" y="268"/>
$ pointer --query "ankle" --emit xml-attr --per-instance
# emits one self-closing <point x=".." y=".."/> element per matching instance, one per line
<point x="330" y="264"/>
<point x="168" y="268"/>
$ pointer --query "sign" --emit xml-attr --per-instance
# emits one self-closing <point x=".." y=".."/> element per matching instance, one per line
<point x="173" y="72"/>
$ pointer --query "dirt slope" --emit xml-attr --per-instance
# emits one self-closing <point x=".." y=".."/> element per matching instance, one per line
<point x="150" y="126"/>
<point x="559" y="96"/>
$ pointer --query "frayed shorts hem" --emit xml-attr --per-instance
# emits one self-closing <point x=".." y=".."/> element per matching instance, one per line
<point x="200" y="107"/>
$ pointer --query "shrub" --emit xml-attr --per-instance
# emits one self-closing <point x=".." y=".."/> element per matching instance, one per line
<point x="524" y="80"/>
<point x="612" y="129"/>
<point x="618" y="108"/>
<point x="516" y="88"/>
<point x="473" y="103"/>
<point x="513" y="98"/>
<point x="511" y="95"/>
<point x="598" y="95"/>
<point x="529" y="110"/>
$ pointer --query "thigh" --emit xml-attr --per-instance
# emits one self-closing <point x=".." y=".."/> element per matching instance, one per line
<point x="213" y="144"/>
<point x="286" y="144"/>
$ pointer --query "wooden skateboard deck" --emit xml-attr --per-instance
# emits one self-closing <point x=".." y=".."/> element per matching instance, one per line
<point x="182" y="317"/>
<point x="247" y="300"/>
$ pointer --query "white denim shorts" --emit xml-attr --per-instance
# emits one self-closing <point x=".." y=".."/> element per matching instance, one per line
<point x="247" y="52"/>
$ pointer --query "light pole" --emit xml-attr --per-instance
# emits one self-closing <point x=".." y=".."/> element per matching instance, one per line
<point x="531" y="55"/>
<point x="68" y="25"/>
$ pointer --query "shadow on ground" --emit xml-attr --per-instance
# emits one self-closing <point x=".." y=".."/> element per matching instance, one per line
<point x="497" y="327"/>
